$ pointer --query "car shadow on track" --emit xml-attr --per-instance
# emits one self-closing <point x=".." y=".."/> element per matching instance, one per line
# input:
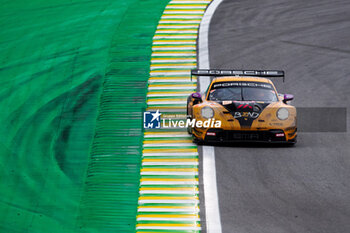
<point x="248" y="144"/>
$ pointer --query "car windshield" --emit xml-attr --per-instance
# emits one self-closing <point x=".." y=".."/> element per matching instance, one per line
<point x="239" y="92"/>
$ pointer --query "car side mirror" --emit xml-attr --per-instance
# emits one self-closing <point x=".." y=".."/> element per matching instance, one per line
<point x="197" y="98"/>
<point x="287" y="97"/>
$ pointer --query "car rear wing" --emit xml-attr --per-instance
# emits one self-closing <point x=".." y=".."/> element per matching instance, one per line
<point x="257" y="73"/>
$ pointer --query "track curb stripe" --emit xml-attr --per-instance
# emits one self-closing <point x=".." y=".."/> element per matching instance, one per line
<point x="168" y="192"/>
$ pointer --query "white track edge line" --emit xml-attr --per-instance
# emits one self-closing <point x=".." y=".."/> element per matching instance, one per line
<point x="212" y="212"/>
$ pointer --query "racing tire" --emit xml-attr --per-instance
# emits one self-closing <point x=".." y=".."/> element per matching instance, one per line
<point x="292" y="142"/>
<point x="189" y="129"/>
<point x="198" y="141"/>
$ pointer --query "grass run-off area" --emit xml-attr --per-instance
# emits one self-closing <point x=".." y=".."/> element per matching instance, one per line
<point x="53" y="63"/>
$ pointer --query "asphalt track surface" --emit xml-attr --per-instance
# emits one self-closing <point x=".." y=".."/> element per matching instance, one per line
<point x="304" y="188"/>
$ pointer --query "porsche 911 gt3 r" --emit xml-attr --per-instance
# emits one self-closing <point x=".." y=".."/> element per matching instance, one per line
<point x="248" y="106"/>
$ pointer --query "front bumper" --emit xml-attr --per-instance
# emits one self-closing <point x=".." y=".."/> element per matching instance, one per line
<point x="270" y="136"/>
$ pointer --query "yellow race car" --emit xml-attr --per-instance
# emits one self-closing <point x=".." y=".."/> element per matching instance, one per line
<point x="241" y="105"/>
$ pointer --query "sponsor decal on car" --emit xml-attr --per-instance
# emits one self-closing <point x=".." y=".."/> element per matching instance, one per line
<point x="253" y="115"/>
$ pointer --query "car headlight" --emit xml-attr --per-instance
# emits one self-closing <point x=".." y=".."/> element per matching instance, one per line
<point x="282" y="114"/>
<point x="207" y="112"/>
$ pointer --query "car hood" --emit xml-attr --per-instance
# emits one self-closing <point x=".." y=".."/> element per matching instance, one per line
<point x="245" y="111"/>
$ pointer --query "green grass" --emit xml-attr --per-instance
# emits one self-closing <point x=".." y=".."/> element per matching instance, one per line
<point x="54" y="58"/>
